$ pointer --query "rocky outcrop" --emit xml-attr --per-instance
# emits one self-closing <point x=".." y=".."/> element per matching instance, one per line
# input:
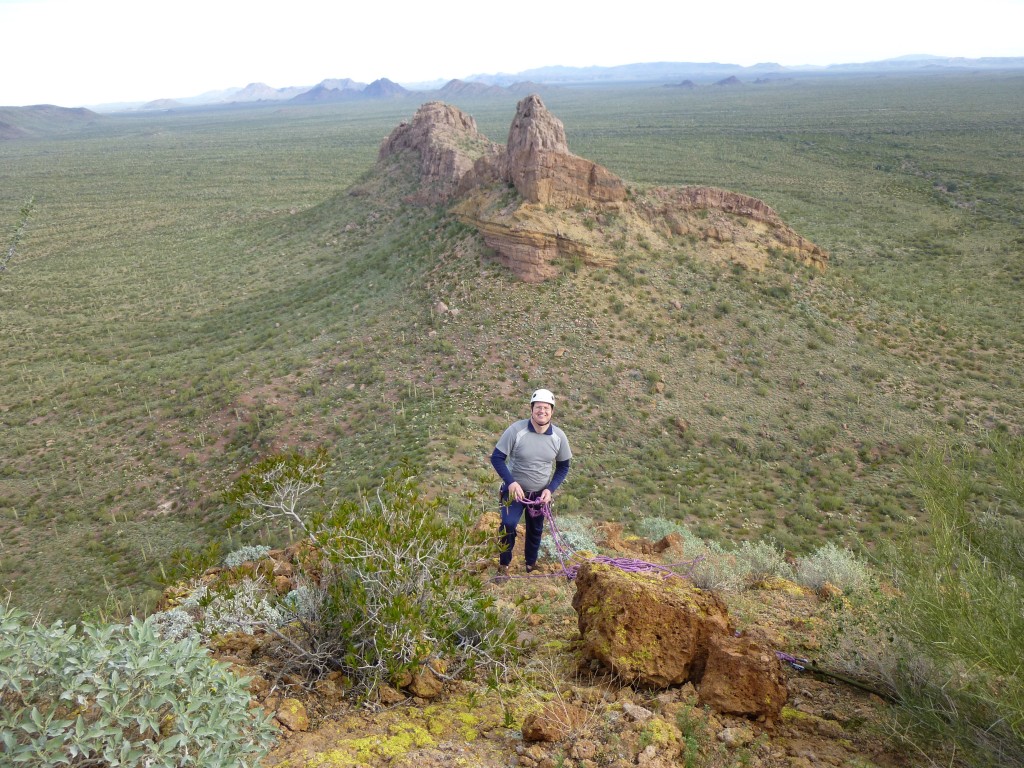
<point x="542" y="168"/>
<point x="671" y="204"/>
<point x="660" y="631"/>
<point x="562" y="201"/>
<point x="448" y="144"/>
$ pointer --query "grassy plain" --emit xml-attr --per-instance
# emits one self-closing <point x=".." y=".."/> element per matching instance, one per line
<point x="198" y="289"/>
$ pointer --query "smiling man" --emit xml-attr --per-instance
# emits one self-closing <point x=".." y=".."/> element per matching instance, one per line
<point x="532" y="458"/>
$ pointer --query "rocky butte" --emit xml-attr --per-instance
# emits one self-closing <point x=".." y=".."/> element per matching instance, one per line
<point x="535" y="203"/>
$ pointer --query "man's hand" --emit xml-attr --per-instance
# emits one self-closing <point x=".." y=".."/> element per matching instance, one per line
<point x="545" y="496"/>
<point x="516" y="492"/>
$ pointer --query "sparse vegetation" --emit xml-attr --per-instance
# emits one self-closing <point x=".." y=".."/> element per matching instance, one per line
<point x="183" y="312"/>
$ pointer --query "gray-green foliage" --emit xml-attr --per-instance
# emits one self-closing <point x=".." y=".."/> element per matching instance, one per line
<point x="763" y="560"/>
<point x="246" y="554"/>
<point x="244" y="606"/>
<point x="120" y="695"/>
<point x="576" y="532"/>
<point x="833" y="565"/>
<point x="749" y="563"/>
<point x="717" y="568"/>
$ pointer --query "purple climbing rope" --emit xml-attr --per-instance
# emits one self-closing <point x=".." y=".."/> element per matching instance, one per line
<point x="539" y="508"/>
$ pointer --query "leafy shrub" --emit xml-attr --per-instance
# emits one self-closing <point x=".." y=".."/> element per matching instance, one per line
<point x="388" y="588"/>
<point x="838" y="567"/>
<point x="763" y="560"/>
<point x="120" y="695"/>
<point x="246" y="554"/>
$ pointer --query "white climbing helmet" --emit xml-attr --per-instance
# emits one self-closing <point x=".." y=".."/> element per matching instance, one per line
<point x="543" y="396"/>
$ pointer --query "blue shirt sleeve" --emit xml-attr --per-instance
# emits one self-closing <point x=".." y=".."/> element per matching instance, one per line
<point x="561" y="472"/>
<point x="498" y="462"/>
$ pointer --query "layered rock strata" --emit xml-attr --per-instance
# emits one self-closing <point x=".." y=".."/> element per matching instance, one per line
<point x="562" y="203"/>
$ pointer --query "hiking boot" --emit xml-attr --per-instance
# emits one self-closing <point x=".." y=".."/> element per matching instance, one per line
<point x="502" y="575"/>
<point x="531" y="568"/>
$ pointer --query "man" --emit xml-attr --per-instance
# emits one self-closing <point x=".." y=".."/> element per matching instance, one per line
<point x="532" y="458"/>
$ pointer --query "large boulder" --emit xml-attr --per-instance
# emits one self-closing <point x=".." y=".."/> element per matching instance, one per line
<point x="648" y="629"/>
<point x="742" y="677"/>
<point x="659" y="630"/>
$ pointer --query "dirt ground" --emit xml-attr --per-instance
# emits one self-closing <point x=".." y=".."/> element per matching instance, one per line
<point x="589" y="720"/>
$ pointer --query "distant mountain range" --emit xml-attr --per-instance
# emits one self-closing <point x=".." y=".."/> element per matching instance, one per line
<point x="685" y="74"/>
<point x="330" y="91"/>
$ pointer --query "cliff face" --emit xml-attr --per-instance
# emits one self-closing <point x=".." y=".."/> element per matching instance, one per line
<point x="447" y="142"/>
<point x="542" y="168"/>
<point x="568" y="207"/>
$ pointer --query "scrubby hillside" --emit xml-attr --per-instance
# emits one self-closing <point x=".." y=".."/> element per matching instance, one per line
<point x="196" y="333"/>
<point x="169" y="329"/>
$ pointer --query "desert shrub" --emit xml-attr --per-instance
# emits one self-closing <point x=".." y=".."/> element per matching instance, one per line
<point x="576" y="532"/>
<point x="245" y="606"/>
<point x="390" y="589"/>
<point x="246" y="554"/>
<point x="763" y="560"/>
<point x="175" y="624"/>
<point x="835" y="566"/>
<point x="717" y="568"/>
<point x="657" y="528"/>
<point x="242" y="607"/>
<point x="961" y="679"/>
<point x="120" y="695"/>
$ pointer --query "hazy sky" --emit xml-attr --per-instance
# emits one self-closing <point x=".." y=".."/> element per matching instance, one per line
<point x="88" y="52"/>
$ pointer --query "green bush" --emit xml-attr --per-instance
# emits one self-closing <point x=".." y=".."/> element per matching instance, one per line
<point x="389" y="587"/>
<point x="961" y="679"/>
<point x="120" y="695"/>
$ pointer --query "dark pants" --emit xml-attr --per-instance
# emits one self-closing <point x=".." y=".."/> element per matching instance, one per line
<point x="511" y="511"/>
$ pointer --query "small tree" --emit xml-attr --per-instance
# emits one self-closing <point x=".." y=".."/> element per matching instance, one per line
<point x="274" y="489"/>
<point x="388" y="588"/>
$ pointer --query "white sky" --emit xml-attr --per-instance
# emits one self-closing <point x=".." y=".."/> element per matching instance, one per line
<point x="88" y="52"/>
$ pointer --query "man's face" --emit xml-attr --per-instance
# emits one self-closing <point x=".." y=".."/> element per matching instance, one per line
<point x="541" y="414"/>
